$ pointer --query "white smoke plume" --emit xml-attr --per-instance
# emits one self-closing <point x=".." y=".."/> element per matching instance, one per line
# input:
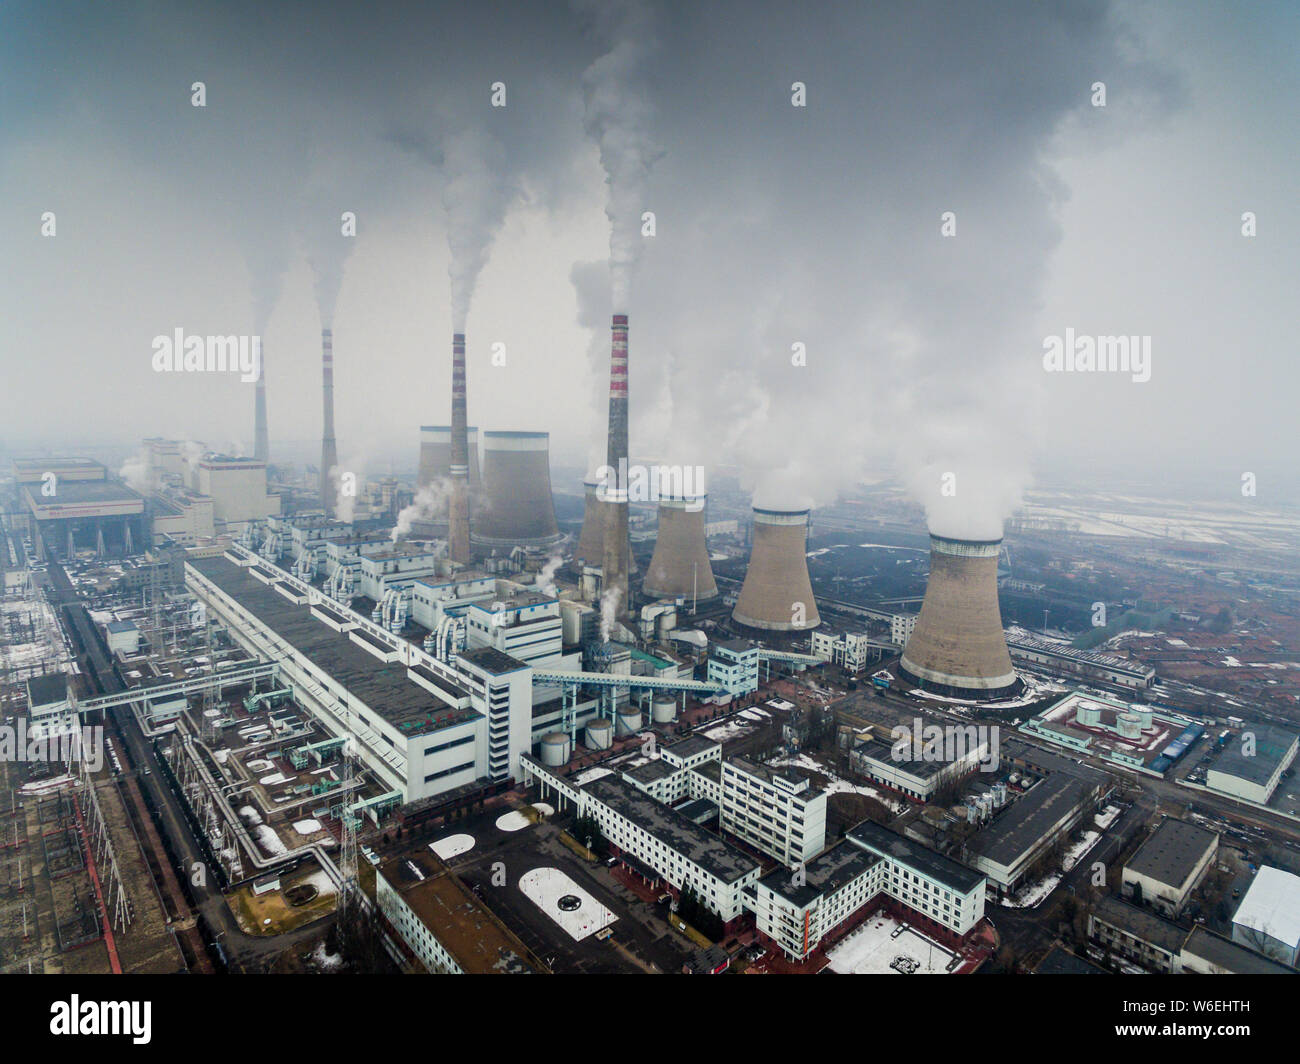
<point x="323" y="241"/>
<point x="546" y="578"/>
<point x="618" y="116"/>
<point x="426" y="505"/>
<point x="477" y="195"/>
<point x="135" y="472"/>
<point x="345" y="502"/>
<point x="609" y="599"/>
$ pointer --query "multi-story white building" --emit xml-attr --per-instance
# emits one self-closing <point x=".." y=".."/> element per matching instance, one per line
<point x="849" y="650"/>
<point x="900" y="628"/>
<point x="423" y="727"/>
<point x="800" y="910"/>
<point x="395" y="568"/>
<point x="775" y="811"/>
<point x="733" y="664"/>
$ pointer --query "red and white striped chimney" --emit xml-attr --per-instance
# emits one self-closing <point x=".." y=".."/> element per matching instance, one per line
<point x="458" y="502"/>
<point x="617" y="556"/>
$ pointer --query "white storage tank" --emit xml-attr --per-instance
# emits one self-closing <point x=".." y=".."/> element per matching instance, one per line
<point x="629" y="721"/>
<point x="663" y="710"/>
<point x="555" y="749"/>
<point x="1144" y="718"/>
<point x="600" y="735"/>
<point x="1129" y="726"/>
<point x="1088" y="714"/>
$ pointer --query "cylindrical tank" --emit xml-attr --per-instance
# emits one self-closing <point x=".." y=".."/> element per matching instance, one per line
<point x="629" y="721"/>
<point x="555" y="749"/>
<point x="600" y="735"/>
<point x="664" y="709"/>
<point x="1088" y="714"/>
<point x="1129" y="726"/>
<point x="1144" y="718"/>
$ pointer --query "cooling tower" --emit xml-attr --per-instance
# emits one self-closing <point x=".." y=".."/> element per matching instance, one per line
<point x="458" y="497"/>
<point x="517" y="508"/>
<point x="777" y="594"/>
<point x="680" y="564"/>
<point x="261" y="437"/>
<point x="435" y="456"/>
<point x="329" y="451"/>
<point x="591" y="541"/>
<point x="957" y="647"/>
<point x="618" y="552"/>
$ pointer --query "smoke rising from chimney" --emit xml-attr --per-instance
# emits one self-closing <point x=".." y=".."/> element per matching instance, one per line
<point x="476" y="196"/>
<point x="609" y="600"/>
<point x="425" y="507"/>
<point x="618" y="116"/>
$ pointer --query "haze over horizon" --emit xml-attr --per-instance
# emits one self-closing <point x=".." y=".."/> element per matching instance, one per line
<point x="775" y="226"/>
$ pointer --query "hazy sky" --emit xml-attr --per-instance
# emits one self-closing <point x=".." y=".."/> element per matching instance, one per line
<point x="776" y="225"/>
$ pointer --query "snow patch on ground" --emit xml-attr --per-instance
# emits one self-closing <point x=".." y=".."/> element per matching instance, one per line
<point x="452" y="846"/>
<point x="544" y="887"/>
<point x="306" y="827"/>
<point x="269" y="840"/>
<point x="589" y="774"/>
<point x="513" y="821"/>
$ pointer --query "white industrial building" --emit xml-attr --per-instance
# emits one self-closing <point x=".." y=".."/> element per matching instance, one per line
<point x="901" y="626"/>
<point x="849" y="650"/>
<point x="1251" y="767"/>
<point x="1268" y="918"/>
<point x="918" y="778"/>
<point x="423" y="726"/>
<point x="774" y="810"/>
<point x="733" y="664"/>
<point x="798" y="913"/>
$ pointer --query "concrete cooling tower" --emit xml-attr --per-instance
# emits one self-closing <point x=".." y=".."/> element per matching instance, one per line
<point x="958" y="648"/>
<point x="591" y="541"/>
<point x="680" y="564"/>
<point x="517" y="508"/>
<point x="435" y="456"/>
<point x="777" y="593"/>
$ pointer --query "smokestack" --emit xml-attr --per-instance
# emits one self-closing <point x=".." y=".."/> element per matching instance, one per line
<point x="680" y="564"/>
<point x="618" y="552"/>
<point x="517" y="509"/>
<point x="958" y="648"/>
<point x="591" y="541"/>
<point x="458" y="498"/>
<point x="329" y="451"/>
<point x="261" y="438"/>
<point x="435" y="458"/>
<point x="777" y="595"/>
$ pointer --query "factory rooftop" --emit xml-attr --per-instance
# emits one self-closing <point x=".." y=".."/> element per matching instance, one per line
<point x="824" y="874"/>
<point x="1061" y="962"/>
<point x="649" y="771"/>
<point x="768" y="774"/>
<point x="493" y="661"/>
<point x="83" y="493"/>
<point x="935" y="866"/>
<point x="1272" y="905"/>
<point x="1172" y="852"/>
<point x="1024" y="823"/>
<point x="480" y="943"/>
<point x="880" y="751"/>
<point x="690" y="746"/>
<point x="1140" y="923"/>
<point x="384" y="688"/>
<point x="1225" y="953"/>
<point x="1271" y="746"/>
<point x="672" y="829"/>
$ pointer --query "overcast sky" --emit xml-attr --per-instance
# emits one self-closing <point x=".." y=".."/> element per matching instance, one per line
<point x="775" y="225"/>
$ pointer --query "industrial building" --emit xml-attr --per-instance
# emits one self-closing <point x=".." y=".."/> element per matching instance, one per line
<point x="851" y="651"/>
<point x="1251" y="768"/>
<point x="1168" y="865"/>
<point x="733" y="664"/>
<point x="1089" y="664"/>
<point x="422" y="727"/>
<point x="1008" y="846"/>
<point x="85" y="514"/>
<point x="777" y="594"/>
<point x="777" y="811"/>
<point x="1268" y="918"/>
<point x="1134" y="736"/>
<point x="442" y="923"/>
<point x="1143" y="938"/>
<point x="957" y="648"/>
<point x="918" y="778"/>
